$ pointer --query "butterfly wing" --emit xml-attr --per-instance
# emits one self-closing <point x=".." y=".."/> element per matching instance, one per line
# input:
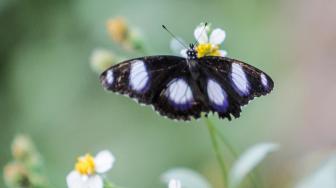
<point x="180" y="97"/>
<point x="161" y="81"/>
<point x="140" y="78"/>
<point x="230" y="84"/>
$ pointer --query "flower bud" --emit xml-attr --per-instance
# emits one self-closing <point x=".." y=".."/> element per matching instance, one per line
<point x="118" y="29"/>
<point x="128" y="37"/>
<point x="16" y="175"/>
<point x="22" y="148"/>
<point x="102" y="59"/>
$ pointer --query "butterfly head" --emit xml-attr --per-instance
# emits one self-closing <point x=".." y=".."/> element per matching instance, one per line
<point x="191" y="52"/>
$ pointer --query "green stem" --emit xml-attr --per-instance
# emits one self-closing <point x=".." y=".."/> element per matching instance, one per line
<point x="212" y="132"/>
<point x="227" y="144"/>
<point x="252" y="176"/>
<point x="108" y="184"/>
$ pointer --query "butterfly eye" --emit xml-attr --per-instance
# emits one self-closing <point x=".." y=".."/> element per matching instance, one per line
<point x="191" y="53"/>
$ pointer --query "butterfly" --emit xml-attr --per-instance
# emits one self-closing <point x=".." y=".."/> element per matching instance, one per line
<point x="183" y="88"/>
<point x="186" y="88"/>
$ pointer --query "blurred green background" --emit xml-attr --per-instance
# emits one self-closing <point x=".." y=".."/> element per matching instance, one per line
<point x="49" y="91"/>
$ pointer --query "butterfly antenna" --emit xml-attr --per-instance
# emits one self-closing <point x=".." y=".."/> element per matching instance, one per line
<point x="204" y="27"/>
<point x="174" y="37"/>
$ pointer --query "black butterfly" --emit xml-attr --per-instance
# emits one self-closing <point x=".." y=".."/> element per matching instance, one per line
<point x="184" y="88"/>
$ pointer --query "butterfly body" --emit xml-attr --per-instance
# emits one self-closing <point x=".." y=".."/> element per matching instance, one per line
<point x="185" y="88"/>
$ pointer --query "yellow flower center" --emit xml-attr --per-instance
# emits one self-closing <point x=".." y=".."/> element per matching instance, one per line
<point x="85" y="165"/>
<point x="207" y="49"/>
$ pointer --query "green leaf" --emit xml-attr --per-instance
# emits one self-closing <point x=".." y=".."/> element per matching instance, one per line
<point x="248" y="161"/>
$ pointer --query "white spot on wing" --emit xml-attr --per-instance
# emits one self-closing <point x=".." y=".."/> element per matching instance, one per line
<point x="139" y="76"/>
<point x="179" y="91"/>
<point x="264" y="80"/>
<point x="109" y="77"/>
<point x="216" y="93"/>
<point x="239" y="79"/>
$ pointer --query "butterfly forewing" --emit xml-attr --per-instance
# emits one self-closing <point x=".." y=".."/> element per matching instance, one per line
<point x="140" y="78"/>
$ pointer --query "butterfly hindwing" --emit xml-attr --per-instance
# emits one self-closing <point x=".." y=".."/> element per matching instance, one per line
<point x="180" y="97"/>
<point x="232" y="82"/>
<point x="218" y="95"/>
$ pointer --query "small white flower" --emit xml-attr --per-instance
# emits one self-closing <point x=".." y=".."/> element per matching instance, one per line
<point x="88" y="170"/>
<point x="174" y="183"/>
<point x="208" y="45"/>
<point x="216" y="37"/>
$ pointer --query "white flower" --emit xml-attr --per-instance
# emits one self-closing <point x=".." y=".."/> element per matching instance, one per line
<point x="88" y="170"/>
<point x="208" y="45"/>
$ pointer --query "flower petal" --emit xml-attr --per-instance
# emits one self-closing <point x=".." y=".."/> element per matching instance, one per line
<point x="94" y="182"/>
<point x="176" y="46"/>
<point x="75" y="180"/>
<point x="104" y="161"/>
<point x="187" y="177"/>
<point x="173" y="183"/>
<point x="200" y="34"/>
<point x="223" y="53"/>
<point x="184" y="53"/>
<point x="217" y="36"/>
